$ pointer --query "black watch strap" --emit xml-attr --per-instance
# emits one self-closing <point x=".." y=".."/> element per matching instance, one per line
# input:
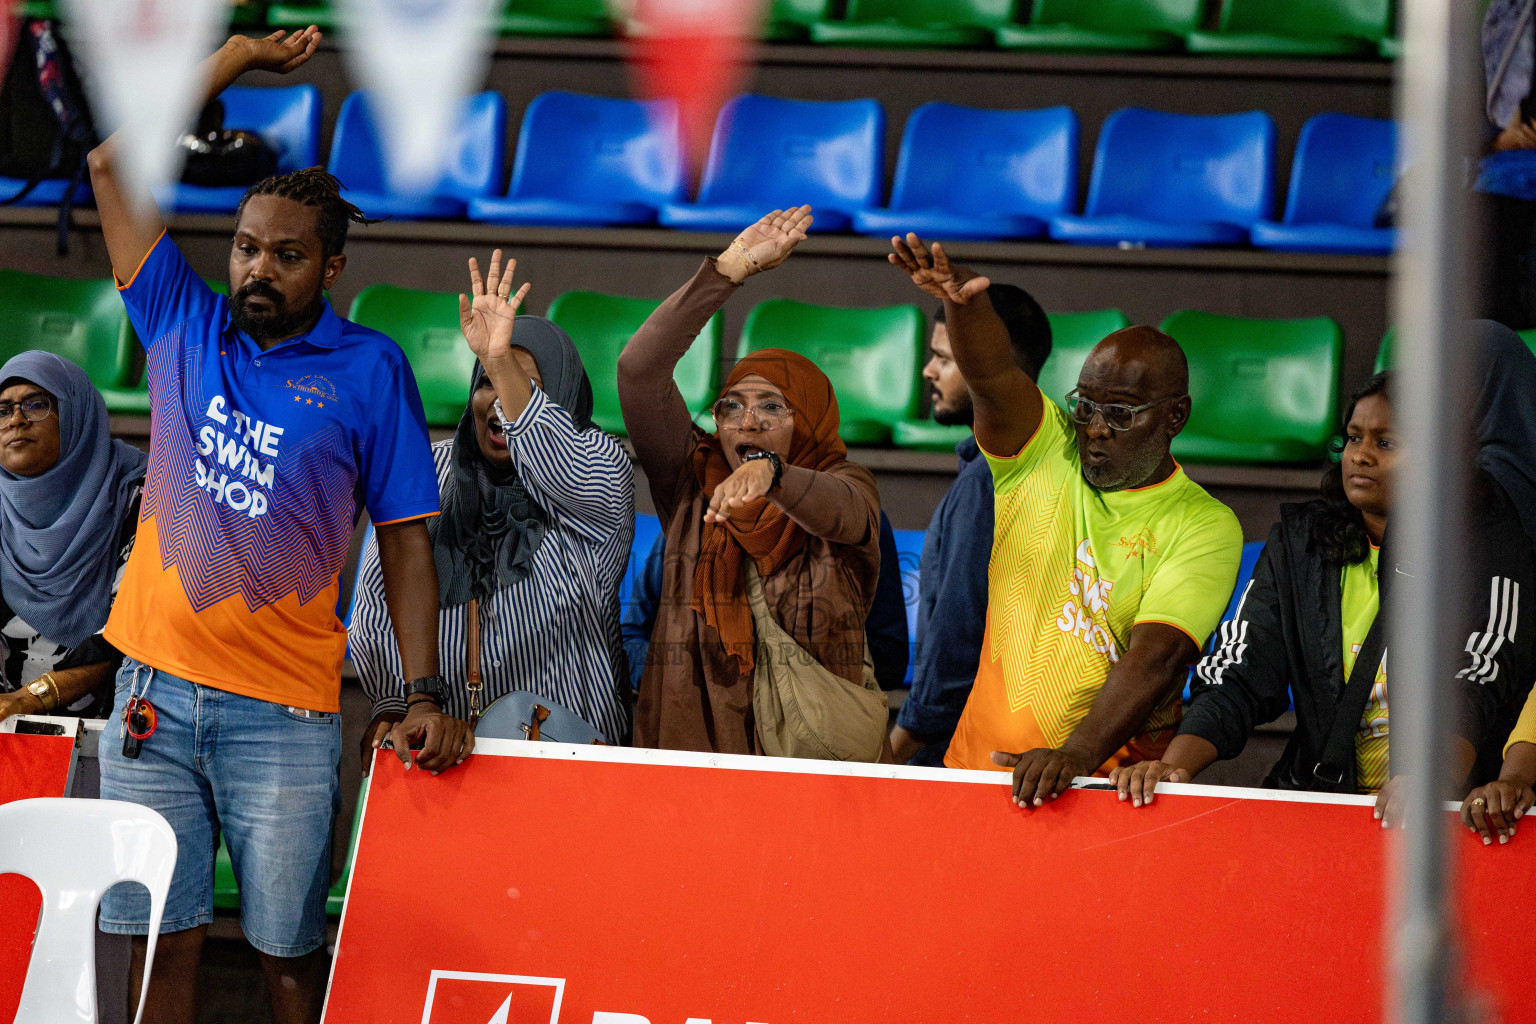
<point x="430" y="687"/>
<point x="778" y="464"/>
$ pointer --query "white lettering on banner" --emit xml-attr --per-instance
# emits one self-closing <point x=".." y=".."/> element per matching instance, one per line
<point x="228" y="452"/>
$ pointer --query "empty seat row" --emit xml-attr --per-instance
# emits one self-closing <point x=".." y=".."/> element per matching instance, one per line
<point x="1266" y="28"/>
<point x="1158" y="179"/>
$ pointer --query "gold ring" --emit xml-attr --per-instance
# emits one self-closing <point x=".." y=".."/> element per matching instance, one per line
<point x="1479" y="802"/>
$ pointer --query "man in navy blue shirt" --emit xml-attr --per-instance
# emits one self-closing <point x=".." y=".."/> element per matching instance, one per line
<point x="952" y="587"/>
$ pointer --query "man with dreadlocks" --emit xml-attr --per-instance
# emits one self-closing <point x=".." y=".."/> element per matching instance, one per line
<point x="273" y="418"/>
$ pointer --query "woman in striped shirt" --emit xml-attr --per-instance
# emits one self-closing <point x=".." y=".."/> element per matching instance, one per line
<point x="538" y="514"/>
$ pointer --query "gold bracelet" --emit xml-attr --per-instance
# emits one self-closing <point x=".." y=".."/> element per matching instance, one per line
<point x="747" y="253"/>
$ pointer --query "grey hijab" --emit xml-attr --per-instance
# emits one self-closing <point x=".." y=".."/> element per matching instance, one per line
<point x="491" y="527"/>
<point x="59" y="530"/>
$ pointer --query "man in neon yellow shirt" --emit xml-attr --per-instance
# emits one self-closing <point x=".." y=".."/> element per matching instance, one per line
<point x="1109" y="568"/>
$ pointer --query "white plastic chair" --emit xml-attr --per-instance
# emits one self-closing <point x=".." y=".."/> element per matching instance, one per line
<point x="75" y="850"/>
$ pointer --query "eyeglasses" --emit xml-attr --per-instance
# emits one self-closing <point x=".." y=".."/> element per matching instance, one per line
<point x="1116" y="415"/>
<point x="35" y="408"/>
<point x="771" y="413"/>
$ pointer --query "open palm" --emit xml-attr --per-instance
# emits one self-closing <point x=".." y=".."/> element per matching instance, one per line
<point x="487" y="318"/>
<point x="932" y="271"/>
<point x="282" y="52"/>
<point x="770" y="241"/>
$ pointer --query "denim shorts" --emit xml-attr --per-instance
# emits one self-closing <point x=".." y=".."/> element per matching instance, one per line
<point x="264" y="775"/>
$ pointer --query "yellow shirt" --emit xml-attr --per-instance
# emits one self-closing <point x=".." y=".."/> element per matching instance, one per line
<point x="1525" y="727"/>
<point x="1073" y="570"/>
<point x="1360" y="601"/>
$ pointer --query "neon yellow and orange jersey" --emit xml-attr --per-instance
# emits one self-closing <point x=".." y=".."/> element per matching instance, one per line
<point x="259" y="461"/>
<point x="1360" y="599"/>
<point x="1073" y="570"/>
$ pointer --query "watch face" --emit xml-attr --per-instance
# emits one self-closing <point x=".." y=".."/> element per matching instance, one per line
<point x="38" y="688"/>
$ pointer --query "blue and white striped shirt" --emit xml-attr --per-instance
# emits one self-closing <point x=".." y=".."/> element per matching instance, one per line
<point x="556" y="633"/>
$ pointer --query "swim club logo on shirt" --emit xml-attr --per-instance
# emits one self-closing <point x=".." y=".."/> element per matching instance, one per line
<point x="238" y="453"/>
<point x="314" y="390"/>
<point x="1084" y="613"/>
<point x="1138" y="545"/>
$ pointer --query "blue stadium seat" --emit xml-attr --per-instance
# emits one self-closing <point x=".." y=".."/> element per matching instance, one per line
<point x="591" y="161"/>
<point x="49" y="192"/>
<point x="473" y="165"/>
<point x="1344" y="170"/>
<point x="965" y="172"/>
<point x="772" y="153"/>
<point x="909" y="546"/>
<point x="647" y="529"/>
<point x="1251" y="552"/>
<point x="287" y="119"/>
<point x="1176" y="180"/>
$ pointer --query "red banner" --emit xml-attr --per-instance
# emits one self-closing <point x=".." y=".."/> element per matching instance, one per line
<point x="540" y="884"/>
<point x="30" y="766"/>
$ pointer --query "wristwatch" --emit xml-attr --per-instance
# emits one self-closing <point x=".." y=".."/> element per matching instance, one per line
<point x="778" y="464"/>
<point x="431" y="686"/>
<point x="47" y="696"/>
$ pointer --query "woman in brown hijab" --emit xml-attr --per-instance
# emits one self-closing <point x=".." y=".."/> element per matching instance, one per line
<point x="773" y="485"/>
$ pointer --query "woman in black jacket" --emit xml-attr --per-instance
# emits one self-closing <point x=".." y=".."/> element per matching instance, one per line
<point x="1309" y="616"/>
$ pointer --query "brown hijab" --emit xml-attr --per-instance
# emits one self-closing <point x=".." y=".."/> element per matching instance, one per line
<point x="760" y="529"/>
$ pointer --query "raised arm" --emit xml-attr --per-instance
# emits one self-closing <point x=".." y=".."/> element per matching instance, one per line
<point x="1007" y="402"/>
<point x="655" y="415"/>
<point x="584" y="474"/>
<point x="130" y="231"/>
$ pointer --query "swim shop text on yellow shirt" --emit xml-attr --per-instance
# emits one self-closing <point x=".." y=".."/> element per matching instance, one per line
<point x="1073" y="570"/>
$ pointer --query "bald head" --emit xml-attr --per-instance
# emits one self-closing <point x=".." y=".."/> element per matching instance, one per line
<point x="1138" y="368"/>
<point x="1143" y="356"/>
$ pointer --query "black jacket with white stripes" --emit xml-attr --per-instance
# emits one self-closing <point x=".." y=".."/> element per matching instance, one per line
<point x="1286" y="644"/>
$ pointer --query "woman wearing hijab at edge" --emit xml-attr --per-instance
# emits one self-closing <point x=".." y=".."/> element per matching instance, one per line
<point x="69" y="506"/>
<point x="538" y="515"/>
<point x="1504" y="427"/>
<point x="1306" y="620"/>
<point x="773" y="485"/>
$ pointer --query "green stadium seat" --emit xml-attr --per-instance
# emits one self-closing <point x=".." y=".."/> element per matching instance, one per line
<point x="790" y="21"/>
<point x="1105" y="26"/>
<point x="1384" y="354"/>
<point x="934" y="24"/>
<point x="300" y="15"/>
<point x="226" y="892"/>
<point x="926" y="435"/>
<point x="1390" y="48"/>
<point x="1297" y="28"/>
<point x="1263" y="390"/>
<point x="872" y="357"/>
<point x="133" y="400"/>
<point x="1073" y="336"/>
<point x="555" y="18"/>
<point x="601" y="325"/>
<point x="426" y="326"/>
<point x="82" y="320"/>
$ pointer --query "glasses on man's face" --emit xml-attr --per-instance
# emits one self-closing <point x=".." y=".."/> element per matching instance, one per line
<point x="770" y="413"/>
<point x="1117" y="415"/>
<point x="34" y="407"/>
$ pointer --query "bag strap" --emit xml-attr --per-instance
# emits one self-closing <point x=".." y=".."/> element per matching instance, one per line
<point x="1335" y="773"/>
<point x="472" y="659"/>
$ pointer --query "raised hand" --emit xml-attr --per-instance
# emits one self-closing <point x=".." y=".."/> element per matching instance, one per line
<point x="487" y="319"/>
<point x="280" y="52"/>
<point x="766" y="244"/>
<point x="932" y="271"/>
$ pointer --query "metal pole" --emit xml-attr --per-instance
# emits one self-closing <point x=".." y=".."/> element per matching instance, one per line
<point x="1439" y="104"/>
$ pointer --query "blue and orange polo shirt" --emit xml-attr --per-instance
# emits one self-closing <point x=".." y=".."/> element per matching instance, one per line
<point x="259" y="463"/>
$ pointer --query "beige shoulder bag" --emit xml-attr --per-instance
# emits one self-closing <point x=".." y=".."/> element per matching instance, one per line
<point x="803" y="709"/>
